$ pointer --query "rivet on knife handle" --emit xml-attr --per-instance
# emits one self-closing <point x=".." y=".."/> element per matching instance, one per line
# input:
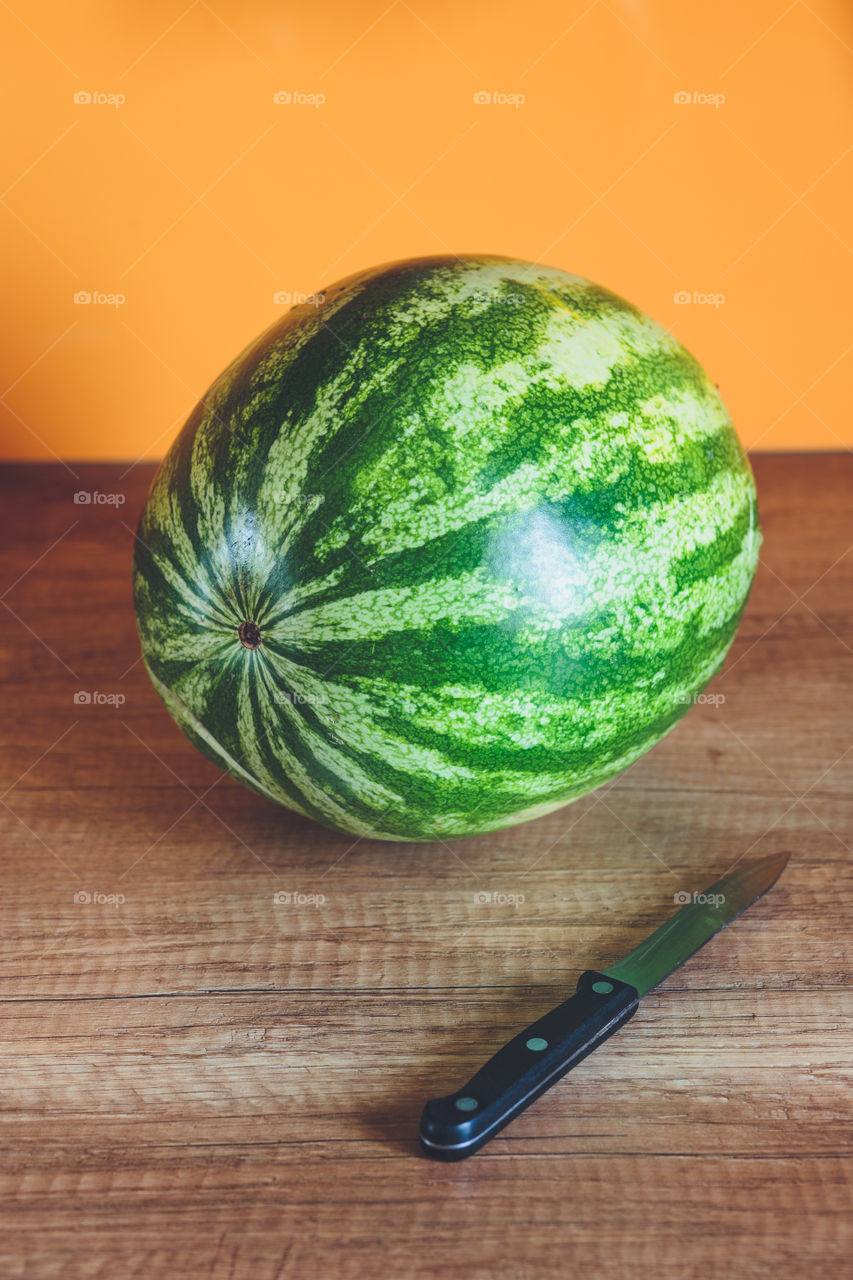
<point x="456" y="1126"/>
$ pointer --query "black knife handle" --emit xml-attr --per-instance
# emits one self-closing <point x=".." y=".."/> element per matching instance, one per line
<point x="458" y="1125"/>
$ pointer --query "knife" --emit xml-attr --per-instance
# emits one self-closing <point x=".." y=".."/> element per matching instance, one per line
<point x="458" y="1125"/>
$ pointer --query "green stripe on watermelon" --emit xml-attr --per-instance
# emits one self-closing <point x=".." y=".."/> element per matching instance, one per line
<point x="493" y="525"/>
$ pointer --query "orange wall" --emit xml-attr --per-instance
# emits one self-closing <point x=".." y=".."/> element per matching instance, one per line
<point x="198" y="198"/>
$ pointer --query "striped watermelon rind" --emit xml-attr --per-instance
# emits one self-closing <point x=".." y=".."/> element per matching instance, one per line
<point x="494" y="531"/>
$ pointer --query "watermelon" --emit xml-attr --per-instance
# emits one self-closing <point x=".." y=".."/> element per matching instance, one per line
<point x="449" y="545"/>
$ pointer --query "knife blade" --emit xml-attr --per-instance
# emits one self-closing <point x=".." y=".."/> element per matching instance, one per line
<point x="461" y="1123"/>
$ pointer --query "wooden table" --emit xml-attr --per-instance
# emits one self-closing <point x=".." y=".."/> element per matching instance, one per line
<point x="199" y="1081"/>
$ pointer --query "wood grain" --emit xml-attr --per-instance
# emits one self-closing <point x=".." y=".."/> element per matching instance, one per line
<point x="198" y="1080"/>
